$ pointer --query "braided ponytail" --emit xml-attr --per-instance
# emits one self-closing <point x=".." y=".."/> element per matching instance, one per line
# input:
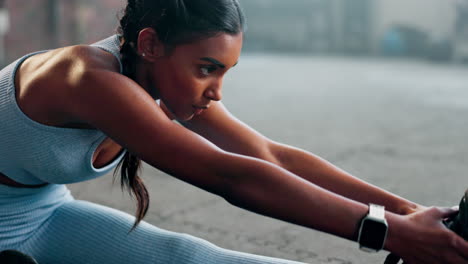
<point x="130" y="165"/>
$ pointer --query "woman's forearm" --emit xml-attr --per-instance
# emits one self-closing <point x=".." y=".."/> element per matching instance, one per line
<point x="328" y="176"/>
<point x="270" y="190"/>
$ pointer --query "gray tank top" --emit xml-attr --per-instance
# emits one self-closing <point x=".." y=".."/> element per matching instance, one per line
<point x="33" y="153"/>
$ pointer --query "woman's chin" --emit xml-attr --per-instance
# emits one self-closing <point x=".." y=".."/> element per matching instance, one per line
<point x="185" y="117"/>
<point x="185" y="114"/>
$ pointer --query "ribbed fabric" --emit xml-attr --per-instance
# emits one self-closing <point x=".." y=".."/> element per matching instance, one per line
<point x="33" y="153"/>
<point x="50" y="225"/>
<point x="80" y="232"/>
<point x="23" y="211"/>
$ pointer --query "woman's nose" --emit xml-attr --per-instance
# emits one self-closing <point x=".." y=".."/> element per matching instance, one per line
<point x="213" y="94"/>
<point x="214" y="91"/>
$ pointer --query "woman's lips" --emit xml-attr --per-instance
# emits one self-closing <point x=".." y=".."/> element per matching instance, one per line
<point x="199" y="109"/>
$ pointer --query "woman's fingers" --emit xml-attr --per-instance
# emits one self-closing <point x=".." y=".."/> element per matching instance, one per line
<point x="457" y="246"/>
<point x="457" y="242"/>
<point x="427" y="240"/>
<point x="444" y="212"/>
<point x="455" y="250"/>
<point x="461" y="246"/>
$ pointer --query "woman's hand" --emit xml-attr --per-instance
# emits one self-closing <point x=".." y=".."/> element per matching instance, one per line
<point x="421" y="237"/>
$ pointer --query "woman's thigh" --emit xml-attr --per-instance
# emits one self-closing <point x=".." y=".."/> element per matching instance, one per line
<point x="84" y="232"/>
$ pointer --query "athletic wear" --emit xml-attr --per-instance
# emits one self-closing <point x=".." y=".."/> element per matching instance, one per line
<point x="33" y="153"/>
<point x="48" y="224"/>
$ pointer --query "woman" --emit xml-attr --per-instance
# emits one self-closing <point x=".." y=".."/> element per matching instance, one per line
<point x="71" y="114"/>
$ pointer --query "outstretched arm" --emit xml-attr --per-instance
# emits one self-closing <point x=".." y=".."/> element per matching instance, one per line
<point x="227" y="132"/>
<point x="330" y="177"/>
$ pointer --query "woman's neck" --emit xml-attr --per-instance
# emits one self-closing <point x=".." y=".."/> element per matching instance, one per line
<point x="144" y="78"/>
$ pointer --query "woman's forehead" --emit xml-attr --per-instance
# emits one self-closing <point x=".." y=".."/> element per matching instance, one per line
<point x="223" y="47"/>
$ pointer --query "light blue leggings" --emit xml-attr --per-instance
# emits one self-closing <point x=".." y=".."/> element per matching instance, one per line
<point x="54" y="228"/>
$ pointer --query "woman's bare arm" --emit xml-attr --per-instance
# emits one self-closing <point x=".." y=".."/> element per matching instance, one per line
<point x="120" y="108"/>
<point x="229" y="133"/>
<point x="330" y="177"/>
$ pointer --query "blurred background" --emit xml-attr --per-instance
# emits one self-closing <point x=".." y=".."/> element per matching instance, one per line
<point x="377" y="87"/>
<point x="432" y="29"/>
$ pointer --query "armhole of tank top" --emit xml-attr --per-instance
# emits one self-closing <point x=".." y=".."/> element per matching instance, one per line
<point x="104" y="169"/>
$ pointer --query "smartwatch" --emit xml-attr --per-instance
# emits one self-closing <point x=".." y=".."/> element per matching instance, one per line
<point x="373" y="229"/>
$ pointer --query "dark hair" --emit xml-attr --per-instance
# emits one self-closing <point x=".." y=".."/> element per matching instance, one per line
<point x="176" y="22"/>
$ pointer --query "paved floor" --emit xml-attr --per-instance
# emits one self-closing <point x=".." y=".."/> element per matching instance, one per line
<point x="401" y="125"/>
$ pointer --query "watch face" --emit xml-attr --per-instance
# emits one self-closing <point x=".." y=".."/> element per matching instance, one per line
<point x="373" y="234"/>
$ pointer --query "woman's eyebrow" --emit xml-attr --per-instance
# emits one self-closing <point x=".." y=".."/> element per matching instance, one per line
<point x="214" y="61"/>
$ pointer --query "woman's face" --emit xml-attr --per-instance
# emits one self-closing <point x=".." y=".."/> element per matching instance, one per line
<point x="189" y="78"/>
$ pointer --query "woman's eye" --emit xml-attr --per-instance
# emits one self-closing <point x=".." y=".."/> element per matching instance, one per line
<point x="206" y="70"/>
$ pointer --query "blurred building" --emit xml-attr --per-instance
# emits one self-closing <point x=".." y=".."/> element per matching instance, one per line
<point x="45" y="24"/>
<point x="308" y="25"/>
<point x="436" y="17"/>
<point x="461" y="32"/>
<point x="423" y="28"/>
<point x="368" y="27"/>
<point x="351" y="25"/>
<point x="277" y="25"/>
<point x="405" y="27"/>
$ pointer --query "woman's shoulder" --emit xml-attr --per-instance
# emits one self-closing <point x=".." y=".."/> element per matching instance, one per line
<point x="62" y="64"/>
<point x="45" y="81"/>
<point x="86" y="57"/>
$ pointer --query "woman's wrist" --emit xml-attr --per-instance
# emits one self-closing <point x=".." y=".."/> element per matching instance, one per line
<point x="395" y="224"/>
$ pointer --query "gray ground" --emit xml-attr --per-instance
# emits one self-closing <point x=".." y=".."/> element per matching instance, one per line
<point x="398" y="124"/>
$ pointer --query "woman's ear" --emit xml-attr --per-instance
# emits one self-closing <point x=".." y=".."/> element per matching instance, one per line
<point x="149" y="47"/>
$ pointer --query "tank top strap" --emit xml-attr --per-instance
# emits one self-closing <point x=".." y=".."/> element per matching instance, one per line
<point x="111" y="45"/>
